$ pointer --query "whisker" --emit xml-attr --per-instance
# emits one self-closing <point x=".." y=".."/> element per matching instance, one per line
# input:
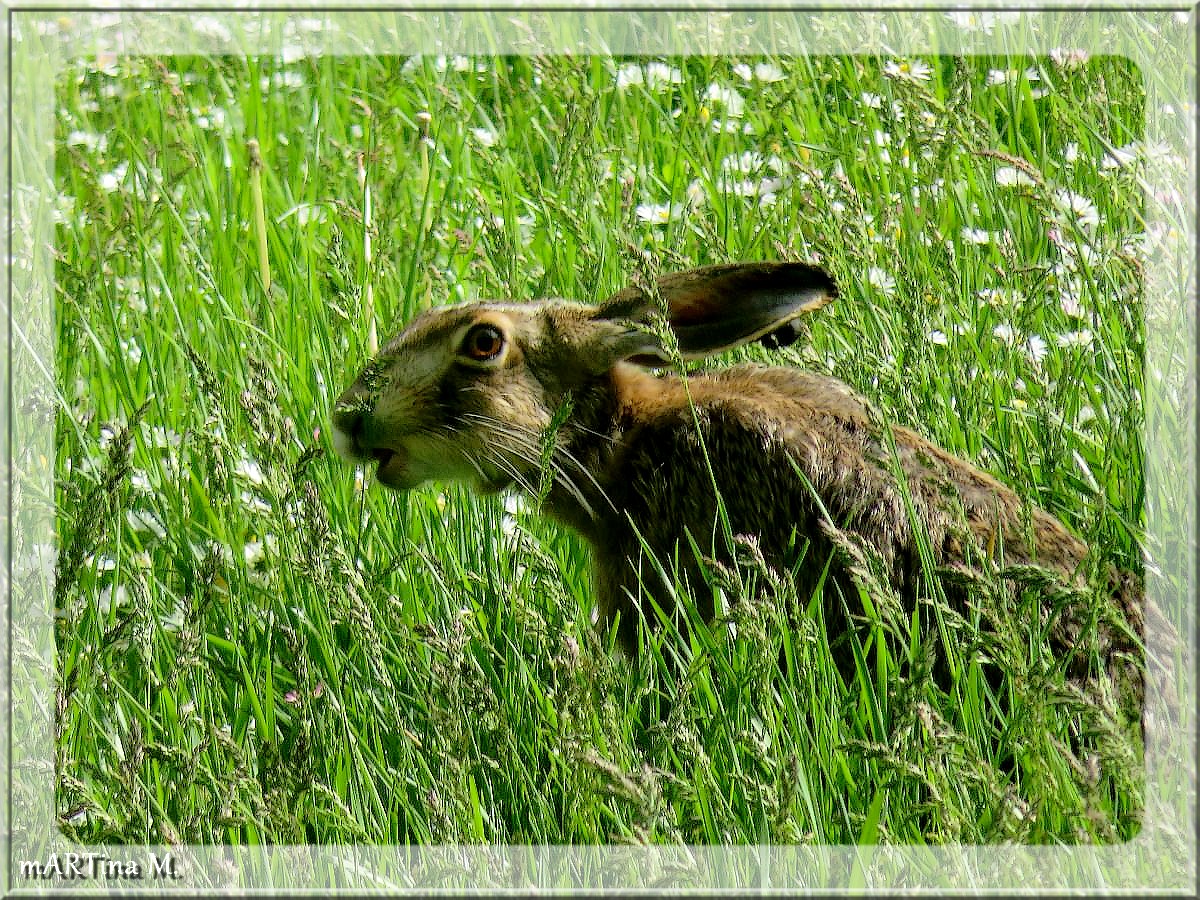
<point x="508" y="468"/>
<point x="526" y="444"/>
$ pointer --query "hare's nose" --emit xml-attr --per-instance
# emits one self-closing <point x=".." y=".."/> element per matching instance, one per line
<point x="349" y="423"/>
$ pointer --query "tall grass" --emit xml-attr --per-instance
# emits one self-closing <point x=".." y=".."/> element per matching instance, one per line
<point x="256" y="645"/>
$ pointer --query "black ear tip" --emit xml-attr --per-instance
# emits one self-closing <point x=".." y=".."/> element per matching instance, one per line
<point x="781" y="337"/>
<point x="809" y="277"/>
<point x="648" y="360"/>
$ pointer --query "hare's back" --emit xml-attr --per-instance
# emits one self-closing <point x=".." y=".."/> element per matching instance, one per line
<point x="797" y="437"/>
<point x="786" y="393"/>
<point x="784" y="448"/>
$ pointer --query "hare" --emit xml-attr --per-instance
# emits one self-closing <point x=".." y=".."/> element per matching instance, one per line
<point x="554" y="397"/>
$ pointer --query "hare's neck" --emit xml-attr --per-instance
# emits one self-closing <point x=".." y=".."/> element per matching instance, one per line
<point x="588" y="493"/>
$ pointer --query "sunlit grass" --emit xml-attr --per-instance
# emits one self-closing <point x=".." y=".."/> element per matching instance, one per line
<point x="257" y="645"/>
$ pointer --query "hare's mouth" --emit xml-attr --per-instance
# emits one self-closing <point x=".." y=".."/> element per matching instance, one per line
<point x="393" y="467"/>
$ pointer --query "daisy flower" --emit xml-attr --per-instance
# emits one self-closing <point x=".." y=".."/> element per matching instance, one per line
<point x="727" y="97"/>
<point x="485" y="136"/>
<point x="1081" y="339"/>
<point x="1079" y="209"/>
<point x="880" y="280"/>
<point x="1035" y="349"/>
<point x="1068" y="58"/>
<point x="1006" y="333"/>
<point x="1011" y="176"/>
<point x="908" y="70"/>
<point x="655" y="213"/>
<point x="659" y="74"/>
<point x="765" y="72"/>
<point x="629" y="75"/>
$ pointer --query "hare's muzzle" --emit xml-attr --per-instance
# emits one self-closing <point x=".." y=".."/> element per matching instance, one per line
<point x="352" y="441"/>
<point x="349" y="423"/>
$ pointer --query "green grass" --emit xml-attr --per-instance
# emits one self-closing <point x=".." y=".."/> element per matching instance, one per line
<point x="254" y="646"/>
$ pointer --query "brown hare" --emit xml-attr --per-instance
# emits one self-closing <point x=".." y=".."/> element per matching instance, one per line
<point x="554" y="398"/>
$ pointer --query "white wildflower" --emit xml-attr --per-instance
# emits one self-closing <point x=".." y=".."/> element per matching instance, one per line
<point x="629" y="75"/>
<point x="132" y="351"/>
<point x="881" y="280"/>
<point x="100" y="563"/>
<point x="656" y="213"/>
<point x="729" y="127"/>
<point x="254" y="553"/>
<point x="1081" y="339"/>
<point x="768" y="72"/>
<point x="250" y="470"/>
<point x="1070" y="301"/>
<point x="908" y="70"/>
<point x="290" y="54"/>
<point x="485" y="136"/>
<point x="765" y="72"/>
<point x="1035" y="349"/>
<point x="146" y="522"/>
<point x="110" y="597"/>
<point x="727" y="97"/>
<point x="1011" y="176"/>
<point x="89" y="140"/>
<point x="1068" y="58"/>
<point x="254" y="503"/>
<point x="995" y="297"/>
<point x="457" y="63"/>
<point x="210" y="118"/>
<point x="288" y="79"/>
<point x="1078" y="209"/>
<point x="1120" y="157"/>
<point x="110" y="182"/>
<point x="739" y="188"/>
<point x="175" y="619"/>
<point x="660" y="74"/>
<point x="515" y="506"/>
<point x="751" y="162"/>
<point x="164" y="438"/>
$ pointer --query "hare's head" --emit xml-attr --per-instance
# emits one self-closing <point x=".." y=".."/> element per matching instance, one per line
<point x="467" y="392"/>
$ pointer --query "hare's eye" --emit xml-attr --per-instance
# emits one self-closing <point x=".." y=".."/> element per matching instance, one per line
<point x="483" y="342"/>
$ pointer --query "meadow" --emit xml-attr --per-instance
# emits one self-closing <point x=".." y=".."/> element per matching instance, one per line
<point x="257" y="645"/>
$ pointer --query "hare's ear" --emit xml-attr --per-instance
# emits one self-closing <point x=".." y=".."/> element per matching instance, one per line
<point x="719" y="307"/>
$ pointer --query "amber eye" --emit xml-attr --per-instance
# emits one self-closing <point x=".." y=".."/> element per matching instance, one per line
<point x="483" y="342"/>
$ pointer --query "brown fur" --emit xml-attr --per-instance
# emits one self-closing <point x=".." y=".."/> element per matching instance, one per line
<point x="632" y="458"/>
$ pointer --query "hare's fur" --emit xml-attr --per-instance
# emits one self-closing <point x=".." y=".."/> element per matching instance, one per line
<point x="635" y="456"/>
